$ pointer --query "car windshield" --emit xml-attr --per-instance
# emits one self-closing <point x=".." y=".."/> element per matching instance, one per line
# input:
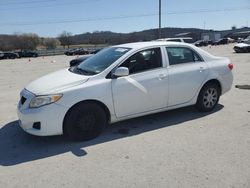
<point x="101" y="60"/>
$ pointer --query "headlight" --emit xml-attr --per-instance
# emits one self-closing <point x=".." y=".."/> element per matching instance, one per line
<point x="44" y="100"/>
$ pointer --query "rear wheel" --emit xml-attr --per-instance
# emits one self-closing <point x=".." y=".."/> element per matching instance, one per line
<point x="84" y="121"/>
<point x="208" y="97"/>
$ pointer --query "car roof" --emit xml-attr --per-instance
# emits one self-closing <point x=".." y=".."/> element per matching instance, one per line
<point x="174" y="38"/>
<point x="139" y="45"/>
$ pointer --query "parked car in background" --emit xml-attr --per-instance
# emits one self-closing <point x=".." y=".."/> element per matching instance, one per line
<point x="242" y="47"/>
<point x="81" y="51"/>
<point x="69" y="52"/>
<point x="221" y="41"/>
<point x="239" y="40"/>
<point x="79" y="60"/>
<point x="123" y="82"/>
<point x="94" y="51"/>
<point x="27" y="54"/>
<point x="183" y="39"/>
<point x="77" y="51"/>
<point x="209" y="42"/>
<point x="200" y="43"/>
<point x="1" y="54"/>
<point x="9" y="55"/>
<point x="230" y="40"/>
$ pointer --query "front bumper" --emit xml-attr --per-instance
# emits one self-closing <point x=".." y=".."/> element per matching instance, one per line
<point x="50" y="117"/>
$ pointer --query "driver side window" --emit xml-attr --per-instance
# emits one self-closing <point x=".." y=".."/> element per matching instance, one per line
<point x="143" y="60"/>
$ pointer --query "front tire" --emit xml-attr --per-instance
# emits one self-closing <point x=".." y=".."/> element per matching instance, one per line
<point x="208" y="97"/>
<point x="85" y="121"/>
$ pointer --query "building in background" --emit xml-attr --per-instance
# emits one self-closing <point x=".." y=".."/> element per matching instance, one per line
<point x="233" y="33"/>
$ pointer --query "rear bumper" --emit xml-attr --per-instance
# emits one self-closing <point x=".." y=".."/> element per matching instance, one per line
<point x="227" y="82"/>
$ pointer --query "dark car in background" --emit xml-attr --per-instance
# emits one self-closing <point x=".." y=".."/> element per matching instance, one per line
<point x="221" y="41"/>
<point x="77" y="51"/>
<point x="200" y="43"/>
<point x="69" y="52"/>
<point x="9" y="55"/>
<point x="94" y="51"/>
<point x="77" y="61"/>
<point x="27" y="54"/>
<point x="1" y="54"/>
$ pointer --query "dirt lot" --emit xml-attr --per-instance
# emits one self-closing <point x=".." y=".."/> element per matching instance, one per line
<point x="179" y="148"/>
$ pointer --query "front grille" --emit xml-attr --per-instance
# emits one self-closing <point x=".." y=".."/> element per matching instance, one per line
<point x="23" y="99"/>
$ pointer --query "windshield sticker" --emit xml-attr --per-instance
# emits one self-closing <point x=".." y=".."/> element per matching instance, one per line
<point x="121" y="50"/>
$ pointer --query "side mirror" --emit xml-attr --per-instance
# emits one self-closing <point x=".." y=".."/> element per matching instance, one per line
<point x="120" y="72"/>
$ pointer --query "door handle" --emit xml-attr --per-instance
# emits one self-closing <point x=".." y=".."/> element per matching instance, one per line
<point x="162" y="76"/>
<point x="202" y="69"/>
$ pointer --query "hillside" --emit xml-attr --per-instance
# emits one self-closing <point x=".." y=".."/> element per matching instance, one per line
<point x="109" y="37"/>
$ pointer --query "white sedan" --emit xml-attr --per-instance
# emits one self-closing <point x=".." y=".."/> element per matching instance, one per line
<point x="123" y="82"/>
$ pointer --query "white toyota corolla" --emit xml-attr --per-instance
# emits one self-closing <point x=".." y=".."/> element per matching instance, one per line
<point x="123" y="82"/>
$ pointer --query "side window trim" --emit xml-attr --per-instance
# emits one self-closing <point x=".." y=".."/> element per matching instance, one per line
<point x="197" y="54"/>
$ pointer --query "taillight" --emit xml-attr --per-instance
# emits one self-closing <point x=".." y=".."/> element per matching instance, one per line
<point x="230" y="66"/>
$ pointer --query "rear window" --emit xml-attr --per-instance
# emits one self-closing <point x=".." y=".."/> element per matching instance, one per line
<point x="180" y="55"/>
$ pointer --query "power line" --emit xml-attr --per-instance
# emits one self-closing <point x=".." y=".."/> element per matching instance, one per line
<point x="26" y="2"/>
<point x="209" y="10"/>
<point x="49" y="6"/>
<point x="46" y="22"/>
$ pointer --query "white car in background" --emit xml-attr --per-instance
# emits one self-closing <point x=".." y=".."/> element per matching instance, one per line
<point x="178" y="39"/>
<point x="123" y="82"/>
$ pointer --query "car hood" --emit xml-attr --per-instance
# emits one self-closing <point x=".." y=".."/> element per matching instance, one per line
<point x="55" y="82"/>
<point x="242" y="45"/>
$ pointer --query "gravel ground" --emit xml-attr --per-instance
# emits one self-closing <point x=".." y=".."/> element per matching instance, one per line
<point x="179" y="148"/>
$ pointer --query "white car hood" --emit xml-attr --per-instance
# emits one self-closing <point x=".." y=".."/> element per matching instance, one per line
<point x="240" y="45"/>
<point x="55" y="82"/>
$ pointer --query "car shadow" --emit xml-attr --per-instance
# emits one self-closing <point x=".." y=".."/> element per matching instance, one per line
<point x="18" y="147"/>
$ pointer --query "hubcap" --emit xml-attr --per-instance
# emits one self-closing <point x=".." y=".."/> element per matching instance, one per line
<point x="210" y="97"/>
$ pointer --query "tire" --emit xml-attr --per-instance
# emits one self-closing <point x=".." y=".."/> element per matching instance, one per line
<point x="208" y="97"/>
<point x="85" y="121"/>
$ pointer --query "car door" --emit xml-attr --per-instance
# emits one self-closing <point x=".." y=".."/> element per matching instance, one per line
<point x="145" y="88"/>
<point x="187" y="72"/>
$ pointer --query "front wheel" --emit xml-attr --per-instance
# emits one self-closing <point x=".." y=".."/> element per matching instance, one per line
<point x="84" y="121"/>
<point x="208" y="97"/>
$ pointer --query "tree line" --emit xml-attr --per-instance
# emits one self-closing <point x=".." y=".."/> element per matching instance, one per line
<point x="26" y="41"/>
<point x="31" y="41"/>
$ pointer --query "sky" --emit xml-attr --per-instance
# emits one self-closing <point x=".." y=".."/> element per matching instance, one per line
<point x="49" y="18"/>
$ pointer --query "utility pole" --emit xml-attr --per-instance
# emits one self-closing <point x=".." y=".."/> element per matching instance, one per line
<point x="159" y="35"/>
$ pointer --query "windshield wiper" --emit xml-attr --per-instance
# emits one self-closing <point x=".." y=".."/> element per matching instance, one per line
<point x="84" y="71"/>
